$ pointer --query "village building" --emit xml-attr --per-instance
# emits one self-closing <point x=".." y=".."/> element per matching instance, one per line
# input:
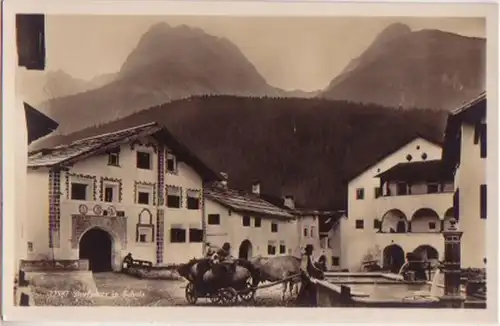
<point x="379" y="214"/>
<point x="136" y="190"/>
<point x="465" y="154"/>
<point x="250" y="224"/>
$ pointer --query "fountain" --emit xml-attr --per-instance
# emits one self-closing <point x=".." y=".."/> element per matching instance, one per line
<point x="400" y="273"/>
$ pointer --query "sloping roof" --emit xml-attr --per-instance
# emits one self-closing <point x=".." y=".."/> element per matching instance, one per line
<point x="68" y="154"/>
<point x="393" y="150"/>
<point x="432" y="170"/>
<point x="244" y="202"/>
<point x="471" y="112"/>
<point x="38" y="124"/>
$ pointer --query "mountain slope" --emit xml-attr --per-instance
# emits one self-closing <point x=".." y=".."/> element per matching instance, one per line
<point x="304" y="147"/>
<point x="401" y="68"/>
<point x="167" y="64"/>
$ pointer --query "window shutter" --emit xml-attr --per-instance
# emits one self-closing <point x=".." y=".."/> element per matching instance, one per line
<point x="456" y="202"/>
<point x="482" y="199"/>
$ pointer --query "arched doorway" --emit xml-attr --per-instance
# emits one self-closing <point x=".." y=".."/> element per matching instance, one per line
<point x="394" y="258"/>
<point x="245" y="251"/>
<point x="96" y="246"/>
<point x="426" y="252"/>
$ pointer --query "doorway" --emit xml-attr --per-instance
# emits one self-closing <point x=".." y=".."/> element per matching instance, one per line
<point x="394" y="258"/>
<point x="245" y="251"/>
<point x="96" y="246"/>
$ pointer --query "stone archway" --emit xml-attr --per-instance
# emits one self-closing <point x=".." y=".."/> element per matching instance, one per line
<point x="426" y="252"/>
<point x="425" y="220"/>
<point x="245" y="251"/>
<point x="96" y="245"/>
<point x="394" y="258"/>
<point x="394" y="221"/>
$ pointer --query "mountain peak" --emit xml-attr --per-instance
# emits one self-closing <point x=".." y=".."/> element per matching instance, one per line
<point x="392" y="31"/>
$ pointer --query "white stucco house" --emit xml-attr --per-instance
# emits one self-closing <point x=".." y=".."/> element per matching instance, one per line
<point x="250" y="224"/>
<point x="134" y="190"/>
<point x="375" y="208"/>
<point x="465" y="153"/>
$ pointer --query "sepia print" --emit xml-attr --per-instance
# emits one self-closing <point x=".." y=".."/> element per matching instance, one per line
<point x="223" y="161"/>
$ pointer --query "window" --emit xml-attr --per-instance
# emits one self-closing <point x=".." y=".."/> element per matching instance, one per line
<point x="171" y="163"/>
<point x="195" y="235"/>
<point x="79" y="191"/>
<point x="312" y="233"/>
<point x="305" y="232"/>
<point x="174" y="197"/>
<point x="456" y="206"/>
<point x="376" y="224"/>
<point x="114" y="159"/>
<point x="177" y="235"/>
<point x="282" y="248"/>
<point x="432" y="225"/>
<point x="271" y="248"/>
<point x="335" y="261"/>
<point x="144" y="233"/>
<point x="193" y="199"/>
<point x="401" y="189"/>
<point x="213" y="219"/>
<point x="109" y="193"/>
<point x="360" y="193"/>
<point x="360" y="224"/>
<point x="274" y="227"/>
<point x="483" y="140"/>
<point x="258" y="222"/>
<point x="143" y="160"/>
<point x="143" y="197"/>
<point x="378" y="192"/>
<point x="246" y="220"/>
<point x="482" y="200"/>
<point x="432" y="188"/>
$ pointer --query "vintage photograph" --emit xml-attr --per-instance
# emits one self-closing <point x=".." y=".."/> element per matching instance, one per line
<point x="223" y="161"/>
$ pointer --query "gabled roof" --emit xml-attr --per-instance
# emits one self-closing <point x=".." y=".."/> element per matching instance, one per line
<point x="243" y="202"/>
<point x="38" y="124"/>
<point x="421" y="171"/>
<point x="67" y="154"/>
<point x="471" y="112"/>
<point x="397" y="147"/>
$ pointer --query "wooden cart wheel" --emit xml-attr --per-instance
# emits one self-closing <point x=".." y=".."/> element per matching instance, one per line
<point x="228" y="295"/>
<point x="247" y="294"/>
<point x="191" y="296"/>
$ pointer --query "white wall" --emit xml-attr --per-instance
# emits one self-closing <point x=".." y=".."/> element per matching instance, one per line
<point x="356" y="242"/>
<point x="470" y="175"/>
<point x="36" y="228"/>
<point x="231" y="230"/>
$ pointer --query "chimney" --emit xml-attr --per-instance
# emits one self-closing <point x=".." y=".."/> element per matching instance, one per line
<point x="224" y="179"/>
<point x="289" y="202"/>
<point x="256" y="188"/>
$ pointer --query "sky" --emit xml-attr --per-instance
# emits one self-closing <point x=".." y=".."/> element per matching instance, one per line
<point x="290" y="53"/>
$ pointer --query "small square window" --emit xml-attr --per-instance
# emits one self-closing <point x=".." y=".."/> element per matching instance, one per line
<point x="144" y="160"/>
<point x="79" y="191"/>
<point x="173" y="197"/>
<point x="432" y="225"/>
<point x="274" y="227"/>
<point x="143" y="198"/>
<point x="282" y="248"/>
<point x="246" y="220"/>
<point x="360" y="193"/>
<point x="213" y="219"/>
<point x="360" y="224"/>
<point x="177" y="235"/>
<point x="171" y="163"/>
<point x="144" y="233"/>
<point x="193" y="199"/>
<point x="271" y="249"/>
<point x="258" y="222"/>
<point x="195" y="235"/>
<point x="305" y="232"/>
<point x="378" y="192"/>
<point x="376" y="224"/>
<point x="114" y="159"/>
<point x="109" y="194"/>
<point x="335" y="261"/>
<point x="142" y="238"/>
